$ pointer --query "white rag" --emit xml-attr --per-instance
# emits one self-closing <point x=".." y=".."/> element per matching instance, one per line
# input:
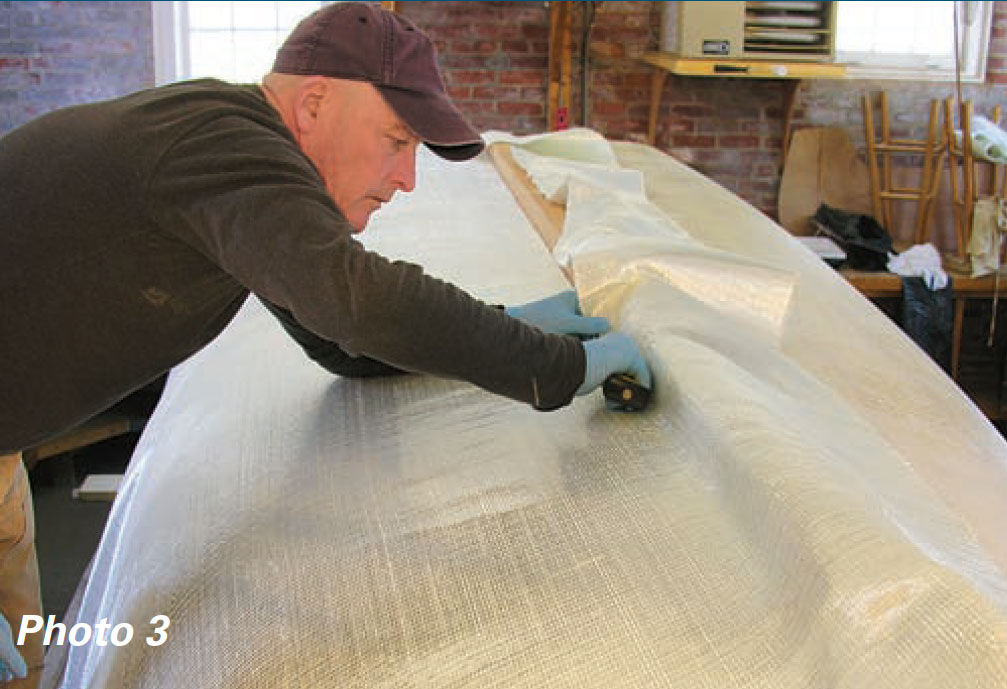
<point x="922" y="261"/>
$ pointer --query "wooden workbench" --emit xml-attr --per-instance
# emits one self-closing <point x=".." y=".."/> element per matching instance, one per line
<point x="879" y="285"/>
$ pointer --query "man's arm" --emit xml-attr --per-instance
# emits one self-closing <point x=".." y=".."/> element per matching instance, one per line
<point x="242" y="195"/>
<point x="326" y="353"/>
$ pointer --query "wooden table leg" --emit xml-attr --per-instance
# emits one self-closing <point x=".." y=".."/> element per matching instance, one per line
<point x="656" y="87"/>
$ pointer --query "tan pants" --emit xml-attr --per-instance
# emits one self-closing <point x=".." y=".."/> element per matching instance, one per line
<point x="19" y="587"/>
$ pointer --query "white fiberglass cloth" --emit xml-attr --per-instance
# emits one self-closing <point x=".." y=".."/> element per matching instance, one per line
<point x="810" y="504"/>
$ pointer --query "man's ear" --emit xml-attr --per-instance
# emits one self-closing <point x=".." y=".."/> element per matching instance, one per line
<point x="309" y="102"/>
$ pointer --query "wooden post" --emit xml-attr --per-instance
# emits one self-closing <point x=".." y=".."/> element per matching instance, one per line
<point x="560" y="50"/>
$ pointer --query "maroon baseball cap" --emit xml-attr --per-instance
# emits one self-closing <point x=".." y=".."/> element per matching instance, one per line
<point x="362" y="42"/>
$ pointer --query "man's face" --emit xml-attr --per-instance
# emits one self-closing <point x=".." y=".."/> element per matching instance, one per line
<point x="364" y="152"/>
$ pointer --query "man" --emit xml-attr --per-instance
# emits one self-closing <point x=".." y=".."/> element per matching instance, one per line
<point x="134" y="229"/>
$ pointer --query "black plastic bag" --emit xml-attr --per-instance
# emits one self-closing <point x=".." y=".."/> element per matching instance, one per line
<point x="866" y="243"/>
<point x="927" y="317"/>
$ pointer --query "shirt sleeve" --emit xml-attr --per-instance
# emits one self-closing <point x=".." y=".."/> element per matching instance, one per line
<point x="245" y="197"/>
<point x="327" y="353"/>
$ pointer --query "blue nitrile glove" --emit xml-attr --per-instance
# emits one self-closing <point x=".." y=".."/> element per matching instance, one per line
<point x="559" y="315"/>
<point x="12" y="665"/>
<point x="613" y="353"/>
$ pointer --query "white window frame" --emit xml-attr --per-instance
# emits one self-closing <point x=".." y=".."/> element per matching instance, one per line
<point x="974" y="40"/>
<point x="171" y="40"/>
<point x="171" y="34"/>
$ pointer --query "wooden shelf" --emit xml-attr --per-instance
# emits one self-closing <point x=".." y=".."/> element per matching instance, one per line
<point x="753" y="69"/>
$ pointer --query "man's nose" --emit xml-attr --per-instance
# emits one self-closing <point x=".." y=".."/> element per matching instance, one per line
<point x="404" y="173"/>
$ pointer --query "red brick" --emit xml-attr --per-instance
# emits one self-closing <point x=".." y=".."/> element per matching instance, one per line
<point x="680" y="126"/>
<point x="534" y="31"/>
<point x="722" y="127"/>
<point x="692" y="110"/>
<point x="755" y="127"/>
<point x="479" y="47"/>
<point x="472" y="77"/>
<point x="607" y="78"/>
<point x="527" y="78"/>
<point x="459" y="92"/>
<point x="466" y="31"/>
<point x="511" y="93"/>
<point x="693" y="141"/>
<point x="454" y="61"/>
<point x="639" y="80"/>
<point x="472" y="13"/>
<point x="509" y="108"/>
<point x="768" y="187"/>
<point x="511" y="32"/>
<point x="532" y="93"/>
<point x="639" y="111"/>
<point x="475" y="107"/>
<point x="511" y="46"/>
<point x="708" y="156"/>
<point x="529" y="62"/>
<point x="749" y="157"/>
<point x="610" y="108"/>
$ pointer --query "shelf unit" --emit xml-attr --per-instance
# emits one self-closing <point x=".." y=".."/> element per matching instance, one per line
<point x="798" y="30"/>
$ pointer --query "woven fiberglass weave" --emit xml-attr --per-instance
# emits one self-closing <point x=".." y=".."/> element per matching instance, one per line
<point x="809" y="502"/>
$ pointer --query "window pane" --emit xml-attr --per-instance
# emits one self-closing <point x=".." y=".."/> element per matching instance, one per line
<point x="237" y="41"/>
<point x="254" y="53"/>
<point x="290" y="13"/>
<point x="885" y="33"/>
<point x="210" y="15"/>
<point x="212" y="54"/>
<point x="255" y="15"/>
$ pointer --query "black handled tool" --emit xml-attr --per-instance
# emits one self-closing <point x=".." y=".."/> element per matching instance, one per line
<point x="625" y="392"/>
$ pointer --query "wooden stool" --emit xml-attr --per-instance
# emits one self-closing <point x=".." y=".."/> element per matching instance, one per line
<point x="962" y="166"/>
<point x="883" y="190"/>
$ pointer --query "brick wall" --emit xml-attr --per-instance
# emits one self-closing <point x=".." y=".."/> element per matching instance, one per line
<point x="495" y="58"/>
<point x="54" y="54"/>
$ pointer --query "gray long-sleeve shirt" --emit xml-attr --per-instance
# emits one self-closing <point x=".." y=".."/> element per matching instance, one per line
<point x="132" y="230"/>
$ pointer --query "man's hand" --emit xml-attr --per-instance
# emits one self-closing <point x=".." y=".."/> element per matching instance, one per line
<point x="12" y="665"/>
<point x="614" y="353"/>
<point x="559" y="315"/>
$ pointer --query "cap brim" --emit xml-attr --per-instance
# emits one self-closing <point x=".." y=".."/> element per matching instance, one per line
<point x="437" y="121"/>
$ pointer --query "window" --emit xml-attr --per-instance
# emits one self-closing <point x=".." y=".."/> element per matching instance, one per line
<point x="913" y="41"/>
<point x="234" y="41"/>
